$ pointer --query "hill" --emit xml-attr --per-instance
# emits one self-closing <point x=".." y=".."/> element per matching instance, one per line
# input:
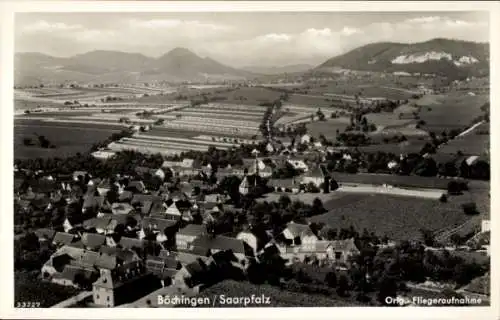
<point x="445" y="57"/>
<point x="179" y="64"/>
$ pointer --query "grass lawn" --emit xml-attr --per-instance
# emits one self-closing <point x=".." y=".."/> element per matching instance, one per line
<point x="277" y="297"/>
<point x="400" y="218"/>
<point x="69" y="138"/>
<point x="29" y="289"/>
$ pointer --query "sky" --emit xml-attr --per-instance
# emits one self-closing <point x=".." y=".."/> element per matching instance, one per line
<point x="243" y="38"/>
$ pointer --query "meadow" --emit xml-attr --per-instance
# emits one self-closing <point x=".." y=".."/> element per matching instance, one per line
<point x="451" y="111"/>
<point x="327" y="128"/>
<point x="400" y="218"/>
<point x="69" y="139"/>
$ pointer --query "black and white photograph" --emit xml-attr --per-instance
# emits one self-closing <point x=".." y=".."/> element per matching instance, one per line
<point x="212" y="159"/>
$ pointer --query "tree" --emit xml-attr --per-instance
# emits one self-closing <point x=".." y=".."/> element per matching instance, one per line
<point x="342" y="285"/>
<point x="317" y="207"/>
<point x="470" y="208"/>
<point x="331" y="279"/>
<point x="27" y="142"/>
<point x="454" y="188"/>
<point x="284" y="201"/>
<point x="388" y="287"/>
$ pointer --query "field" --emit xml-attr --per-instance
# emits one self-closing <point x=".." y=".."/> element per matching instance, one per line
<point x="406" y="147"/>
<point x="451" y="111"/>
<point x="68" y="138"/>
<point x="327" y="128"/>
<point x="366" y="90"/>
<point x="29" y="289"/>
<point x="400" y="218"/>
<point x="395" y="180"/>
<point x="329" y="199"/>
<point x="278" y="297"/>
<point x="475" y="142"/>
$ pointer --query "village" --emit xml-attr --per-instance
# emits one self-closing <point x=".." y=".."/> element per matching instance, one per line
<point x="182" y="226"/>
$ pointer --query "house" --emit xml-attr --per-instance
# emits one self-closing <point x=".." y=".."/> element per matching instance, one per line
<point x="238" y="247"/>
<point x="163" y="267"/>
<point x="191" y="274"/>
<point x="246" y="186"/>
<point x="103" y="187"/>
<point x="72" y="275"/>
<point x="63" y="238"/>
<point x="341" y="250"/>
<point x="91" y="202"/>
<point x="305" y="139"/>
<point x="123" y="284"/>
<point x="185" y="236"/>
<point x="45" y="234"/>
<point x="122" y="208"/>
<point x="163" y="229"/>
<point x="131" y="243"/>
<point x="297" y="234"/>
<point x="284" y="185"/>
<point x="173" y="212"/>
<point x="256" y="239"/>
<point x="93" y="241"/>
<point x="126" y="196"/>
<point x="298" y="164"/>
<point x="136" y="186"/>
<point x="316" y="176"/>
<point x="485" y="225"/>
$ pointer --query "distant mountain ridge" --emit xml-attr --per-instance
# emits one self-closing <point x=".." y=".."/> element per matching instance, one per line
<point x="451" y="58"/>
<point x="179" y="64"/>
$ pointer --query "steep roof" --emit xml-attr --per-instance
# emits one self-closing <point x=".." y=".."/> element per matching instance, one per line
<point x="193" y="230"/>
<point x="98" y="222"/>
<point x="222" y="243"/>
<point x="299" y="230"/>
<point x="45" y="233"/>
<point x="157" y="223"/>
<point x="130" y="243"/>
<point x="343" y="245"/>
<point x="63" y="238"/>
<point x="93" y="240"/>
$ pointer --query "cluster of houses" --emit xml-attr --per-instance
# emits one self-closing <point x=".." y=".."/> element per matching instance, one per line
<point x="111" y="251"/>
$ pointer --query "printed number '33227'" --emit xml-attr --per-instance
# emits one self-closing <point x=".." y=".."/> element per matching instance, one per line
<point x="28" y="304"/>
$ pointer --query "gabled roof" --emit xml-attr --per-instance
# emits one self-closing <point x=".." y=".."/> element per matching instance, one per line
<point x="140" y="198"/>
<point x="93" y="240"/>
<point x="222" y="243"/>
<point x="126" y="196"/>
<point x="193" y="230"/>
<point x="45" y="233"/>
<point x="186" y="257"/>
<point x="130" y="243"/>
<point x="157" y="223"/>
<point x="343" y="245"/>
<point x="316" y="172"/>
<point x="93" y="202"/>
<point x="98" y="222"/>
<point x="196" y="268"/>
<point x="70" y="271"/>
<point x="63" y="238"/>
<point x="121" y="208"/>
<point x="299" y="230"/>
<point x="283" y="183"/>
